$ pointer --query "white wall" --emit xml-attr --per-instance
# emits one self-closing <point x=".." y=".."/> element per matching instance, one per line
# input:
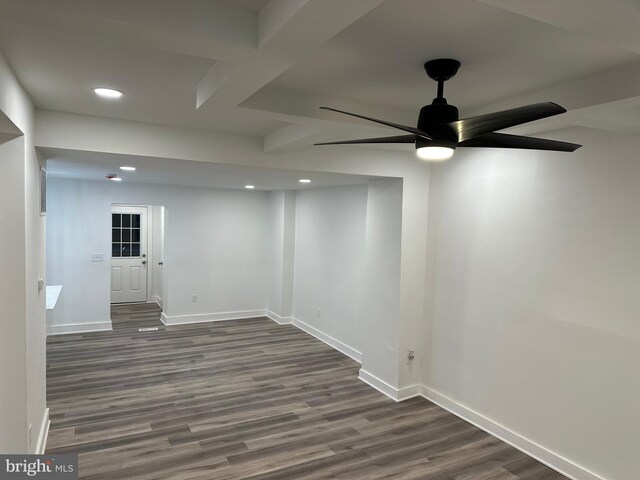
<point x="329" y="255"/>
<point x="157" y="254"/>
<point x="78" y="226"/>
<point x="535" y="297"/>
<point x="381" y="284"/>
<point x="22" y="343"/>
<point x="214" y="247"/>
<point x="276" y="252"/>
<point x="281" y="255"/>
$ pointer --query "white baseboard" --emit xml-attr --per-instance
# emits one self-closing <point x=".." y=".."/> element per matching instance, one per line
<point x="209" y="317"/>
<point x="390" y="391"/>
<point x="78" y="328"/>
<point x="329" y="340"/>
<point x="277" y="318"/>
<point x="43" y="434"/>
<point x="405" y="393"/>
<point x="534" y="450"/>
<point x="380" y="385"/>
<point x="156" y="299"/>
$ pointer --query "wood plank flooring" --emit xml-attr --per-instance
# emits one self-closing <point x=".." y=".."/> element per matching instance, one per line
<point x="248" y="399"/>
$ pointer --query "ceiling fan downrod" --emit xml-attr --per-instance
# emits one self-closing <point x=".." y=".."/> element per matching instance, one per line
<point x="441" y="70"/>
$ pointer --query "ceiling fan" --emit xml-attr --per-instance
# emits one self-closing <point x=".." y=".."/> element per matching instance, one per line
<point x="440" y="131"/>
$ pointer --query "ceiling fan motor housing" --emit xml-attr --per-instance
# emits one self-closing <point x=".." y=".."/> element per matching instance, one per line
<point x="433" y="119"/>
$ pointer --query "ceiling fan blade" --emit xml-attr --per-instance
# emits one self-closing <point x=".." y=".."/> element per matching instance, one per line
<point x="472" y="127"/>
<point x="502" y="140"/>
<point x="397" y="139"/>
<point x="405" y="128"/>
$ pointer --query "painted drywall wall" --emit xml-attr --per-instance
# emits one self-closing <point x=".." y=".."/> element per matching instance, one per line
<point x="276" y="253"/>
<point x="13" y="394"/>
<point x="214" y="248"/>
<point x="535" y="297"/>
<point x="156" y="257"/>
<point x="22" y="343"/>
<point x="381" y="285"/>
<point x="78" y="226"/>
<point x="329" y="254"/>
<point x="281" y="255"/>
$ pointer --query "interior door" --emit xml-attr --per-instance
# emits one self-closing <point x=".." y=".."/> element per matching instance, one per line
<point x="128" y="254"/>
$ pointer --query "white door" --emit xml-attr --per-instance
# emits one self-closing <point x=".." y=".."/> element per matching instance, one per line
<point x="128" y="254"/>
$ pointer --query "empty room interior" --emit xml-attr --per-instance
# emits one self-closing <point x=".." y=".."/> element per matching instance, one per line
<point x="320" y="239"/>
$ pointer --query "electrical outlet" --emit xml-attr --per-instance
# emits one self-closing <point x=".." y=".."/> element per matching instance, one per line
<point x="194" y="297"/>
<point x="411" y="355"/>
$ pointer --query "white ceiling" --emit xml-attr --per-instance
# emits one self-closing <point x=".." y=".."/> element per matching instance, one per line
<point x="253" y="6"/>
<point x="96" y="166"/>
<point x="379" y="59"/>
<point x="263" y="67"/>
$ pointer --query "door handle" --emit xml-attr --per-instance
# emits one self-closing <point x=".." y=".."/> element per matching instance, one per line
<point x="144" y="262"/>
<point x="160" y="263"/>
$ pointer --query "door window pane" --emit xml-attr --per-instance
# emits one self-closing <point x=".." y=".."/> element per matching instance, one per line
<point x="125" y="235"/>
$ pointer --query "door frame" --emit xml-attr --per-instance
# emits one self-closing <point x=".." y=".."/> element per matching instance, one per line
<point x="149" y="242"/>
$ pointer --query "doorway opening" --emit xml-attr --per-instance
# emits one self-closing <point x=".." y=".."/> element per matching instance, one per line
<point x="137" y="254"/>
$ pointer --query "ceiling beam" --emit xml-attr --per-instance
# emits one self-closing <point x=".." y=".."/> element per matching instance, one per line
<point x="68" y="131"/>
<point x="274" y="16"/>
<point x="8" y="128"/>
<point x="292" y="137"/>
<point x="214" y="79"/>
<point x="610" y="21"/>
<point x="199" y="28"/>
<point x="286" y="31"/>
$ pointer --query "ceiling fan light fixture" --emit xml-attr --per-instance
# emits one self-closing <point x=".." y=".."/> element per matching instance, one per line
<point x="434" y="154"/>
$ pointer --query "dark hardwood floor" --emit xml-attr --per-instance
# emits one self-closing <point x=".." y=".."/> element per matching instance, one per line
<point x="248" y="399"/>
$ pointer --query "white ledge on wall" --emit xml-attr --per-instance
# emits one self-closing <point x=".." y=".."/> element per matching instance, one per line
<point x="52" y="295"/>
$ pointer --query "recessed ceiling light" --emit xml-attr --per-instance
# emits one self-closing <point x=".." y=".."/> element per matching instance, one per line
<point x="304" y="180"/>
<point x="108" y="92"/>
<point x="128" y="169"/>
<point x="249" y="187"/>
<point x="114" y="178"/>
